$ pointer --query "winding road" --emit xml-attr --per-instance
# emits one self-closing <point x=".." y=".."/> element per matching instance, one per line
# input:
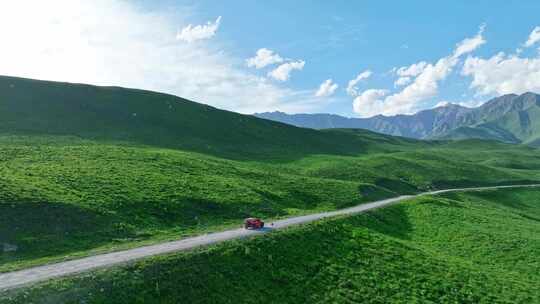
<point x="32" y="275"/>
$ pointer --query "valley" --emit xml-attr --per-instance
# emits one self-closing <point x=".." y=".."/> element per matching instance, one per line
<point x="179" y="152"/>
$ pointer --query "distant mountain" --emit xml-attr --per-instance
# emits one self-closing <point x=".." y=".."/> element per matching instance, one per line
<point x="420" y="125"/>
<point x="509" y="118"/>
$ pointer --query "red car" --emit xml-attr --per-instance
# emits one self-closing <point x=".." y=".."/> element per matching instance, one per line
<point x="253" y="223"/>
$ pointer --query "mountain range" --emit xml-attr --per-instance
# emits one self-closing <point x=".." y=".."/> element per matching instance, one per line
<point x="509" y="118"/>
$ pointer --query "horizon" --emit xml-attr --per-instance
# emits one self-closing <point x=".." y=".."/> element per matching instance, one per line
<point x="343" y="59"/>
<point x="441" y="105"/>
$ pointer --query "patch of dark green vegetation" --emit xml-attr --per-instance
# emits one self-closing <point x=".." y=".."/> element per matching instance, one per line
<point x="476" y="247"/>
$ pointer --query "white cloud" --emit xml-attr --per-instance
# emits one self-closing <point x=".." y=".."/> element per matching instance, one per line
<point x="192" y="33"/>
<point x="412" y="70"/>
<point x="351" y="87"/>
<point x="407" y="73"/>
<point x="370" y="102"/>
<point x="264" y="57"/>
<point x="327" y="88"/>
<point x="423" y="87"/>
<point x="470" y="44"/>
<point x="471" y="103"/>
<point x="468" y="104"/>
<point x="97" y="42"/>
<point x="534" y="37"/>
<point x="401" y="81"/>
<point x="283" y="72"/>
<point x="442" y="104"/>
<point x="503" y="74"/>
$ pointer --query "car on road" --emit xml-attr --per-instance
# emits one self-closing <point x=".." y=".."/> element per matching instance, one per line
<point x="253" y="223"/>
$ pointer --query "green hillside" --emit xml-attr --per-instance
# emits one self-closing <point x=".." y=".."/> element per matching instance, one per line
<point x="486" y="132"/>
<point x="478" y="247"/>
<point x="148" y="118"/>
<point x="81" y="174"/>
<point x="65" y="197"/>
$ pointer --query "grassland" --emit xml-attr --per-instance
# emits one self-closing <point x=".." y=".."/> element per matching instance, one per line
<point x="64" y="197"/>
<point x="90" y="169"/>
<point x="478" y="247"/>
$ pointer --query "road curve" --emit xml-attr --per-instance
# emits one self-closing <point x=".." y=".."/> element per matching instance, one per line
<point x="32" y="275"/>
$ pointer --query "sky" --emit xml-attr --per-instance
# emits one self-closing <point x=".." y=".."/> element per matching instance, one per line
<point x="357" y="59"/>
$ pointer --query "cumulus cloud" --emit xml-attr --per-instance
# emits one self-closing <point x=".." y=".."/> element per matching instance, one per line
<point x="401" y="81"/>
<point x="470" y="44"/>
<point x="283" y="72"/>
<point x="327" y="88"/>
<point x="412" y="70"/>
<point x="471" y="103"/>
<point x="351" y="87"/>
<point x="96" y="42"/>
<point x="442" y="104"/>
<point x="264" y="57"/>
<point x="534" y="37"/>
<point x="192" y="33"/>
<point x="503" y="74"/>
<point x="370" y="102"/>
<point x="406" y="73"/>
<point x="424" y="86"/>
<point x="468" y="104"/>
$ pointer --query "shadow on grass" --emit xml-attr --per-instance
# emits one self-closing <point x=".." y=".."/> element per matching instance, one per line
<point x="465" y="183"/>
<point x="397" y="186"/>
<point x="449" y="199"/>
<point x="42" y="229"/>
<point x="395" y="220"/>
<point x="392" y="221"/>
<point x="504" y="198"/>
<point x="530" y="217"/>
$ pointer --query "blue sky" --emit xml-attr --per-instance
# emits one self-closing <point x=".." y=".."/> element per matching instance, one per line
<point x="181" y="47"/>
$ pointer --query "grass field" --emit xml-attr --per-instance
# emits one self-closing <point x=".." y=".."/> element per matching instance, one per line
<point x="477" y="247"/>
<point x="65" y="197"/>
<point x="90" y="169"/>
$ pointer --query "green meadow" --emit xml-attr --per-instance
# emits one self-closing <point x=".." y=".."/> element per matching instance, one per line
<point x="475" y="247"/>
<point x="64" y="197"/>
<point x="87" y="170"/>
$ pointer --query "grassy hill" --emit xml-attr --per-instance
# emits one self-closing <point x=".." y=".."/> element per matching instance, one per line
<point x="33" y="107"/>
<point x="478" y="247"/>
<point x="81" y="174"/>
